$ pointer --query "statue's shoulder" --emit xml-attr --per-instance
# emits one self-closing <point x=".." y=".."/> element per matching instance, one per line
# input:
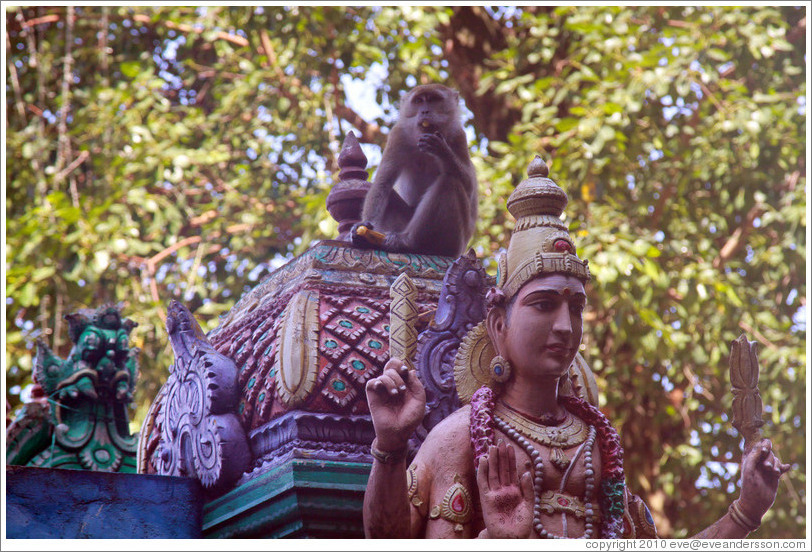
<point x="449" y="442"/>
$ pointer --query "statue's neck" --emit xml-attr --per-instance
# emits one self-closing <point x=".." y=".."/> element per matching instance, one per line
<point x="533" y="399"/>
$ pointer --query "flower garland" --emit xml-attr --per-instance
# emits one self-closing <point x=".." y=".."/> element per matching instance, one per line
<point x="613" y="480"/>
<point x="481" y="422"/>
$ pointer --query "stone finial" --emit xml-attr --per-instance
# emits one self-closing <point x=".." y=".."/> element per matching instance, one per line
<point x="352" y="160"/>
<point x="538" y="167"/>
<point x="346" y="198"/>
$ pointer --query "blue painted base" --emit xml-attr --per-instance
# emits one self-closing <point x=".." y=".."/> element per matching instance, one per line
<point x="44" y="503"/>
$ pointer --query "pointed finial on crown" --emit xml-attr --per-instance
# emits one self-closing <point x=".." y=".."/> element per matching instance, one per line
<point x="537" y="194"/>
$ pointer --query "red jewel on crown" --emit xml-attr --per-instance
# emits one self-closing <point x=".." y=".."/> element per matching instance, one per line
<point x="562" y="246"/>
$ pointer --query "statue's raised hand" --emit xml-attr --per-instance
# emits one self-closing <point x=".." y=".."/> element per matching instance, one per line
<point x="761" y="470"/>
<point x="507" y="501"/>
<point x="397" y="403"/>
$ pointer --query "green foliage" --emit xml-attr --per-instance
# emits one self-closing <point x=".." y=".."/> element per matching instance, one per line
<point x="198" y="144"/>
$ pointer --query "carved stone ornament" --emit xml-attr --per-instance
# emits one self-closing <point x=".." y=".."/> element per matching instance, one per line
<point x="346" y="197"/>
<point x="403" y="315"/>
<point x="201" y="436"/>
<point x="744" y="371"/>
<point x="297" y="363"/>
<point x="460" y="307"/>
<point x="411" y="486"/>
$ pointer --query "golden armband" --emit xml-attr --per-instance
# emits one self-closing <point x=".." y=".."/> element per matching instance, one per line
<point x="456" y="505"/>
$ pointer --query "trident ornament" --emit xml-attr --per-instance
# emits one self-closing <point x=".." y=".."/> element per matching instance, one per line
<point x="746" y="398"/>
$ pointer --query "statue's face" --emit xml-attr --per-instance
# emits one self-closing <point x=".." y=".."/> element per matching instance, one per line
<point x="104" y="350"/>
<point x="543" y="327"/>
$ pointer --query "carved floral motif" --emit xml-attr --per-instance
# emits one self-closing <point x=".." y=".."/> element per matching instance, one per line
<point x="200" y="435"/>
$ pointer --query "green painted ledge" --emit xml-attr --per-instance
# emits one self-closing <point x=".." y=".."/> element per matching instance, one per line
<point x="301" y="498"/>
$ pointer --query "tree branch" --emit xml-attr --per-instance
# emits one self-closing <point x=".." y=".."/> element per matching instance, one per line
<point x="75" y="163"/>
<point x="763" y="340"/>
<point x="736" y="240"/>
<point x="370" y="132"/>
<point x="234" y="39"/>
<point x="63" y="143"/>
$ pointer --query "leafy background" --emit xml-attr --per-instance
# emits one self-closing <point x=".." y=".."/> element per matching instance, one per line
<point x="181" y="152"/>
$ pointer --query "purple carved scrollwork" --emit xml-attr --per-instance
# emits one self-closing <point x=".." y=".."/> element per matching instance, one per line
<point x="460" y="307"/>
<point x="201" y="434"/>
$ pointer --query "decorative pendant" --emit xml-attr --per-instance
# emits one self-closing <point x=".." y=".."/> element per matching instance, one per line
<point x="559" y="459"/>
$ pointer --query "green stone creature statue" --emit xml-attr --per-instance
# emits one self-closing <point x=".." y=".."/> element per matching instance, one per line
<point x="78" y="416"/>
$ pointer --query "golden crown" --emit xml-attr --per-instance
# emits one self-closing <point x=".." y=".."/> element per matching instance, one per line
<point x="541" y="243"/>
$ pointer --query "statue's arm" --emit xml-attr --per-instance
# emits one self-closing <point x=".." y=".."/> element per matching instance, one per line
<point x="397" y="402"/>
<point x="723" y="528"/>
<point x="386" y="505"/>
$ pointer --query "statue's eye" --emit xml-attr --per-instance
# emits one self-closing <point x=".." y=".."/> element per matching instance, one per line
<point x="92" y="340"/>
<point x="545" y="305"/>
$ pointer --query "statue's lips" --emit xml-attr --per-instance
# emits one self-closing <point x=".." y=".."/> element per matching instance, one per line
<point x="557" y="349"/>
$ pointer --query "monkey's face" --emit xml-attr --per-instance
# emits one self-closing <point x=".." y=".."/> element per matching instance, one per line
<point x="429" y="108"/>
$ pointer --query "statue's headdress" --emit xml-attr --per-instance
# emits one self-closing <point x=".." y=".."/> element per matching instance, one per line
<point x="541" y="243"/>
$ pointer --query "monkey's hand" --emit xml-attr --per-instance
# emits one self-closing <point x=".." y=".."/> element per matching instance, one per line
<point x="435" y="144"/>
<point x="362" y="235"/>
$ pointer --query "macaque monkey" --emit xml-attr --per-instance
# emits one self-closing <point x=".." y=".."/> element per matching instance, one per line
<point x="424" y="195"/>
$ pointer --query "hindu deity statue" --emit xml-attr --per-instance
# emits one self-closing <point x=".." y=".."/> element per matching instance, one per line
<point x="527" y="456"/>
<point x="78" y="418"/>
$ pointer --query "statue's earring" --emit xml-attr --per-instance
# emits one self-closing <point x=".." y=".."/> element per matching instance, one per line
<point x="500" y="369"/>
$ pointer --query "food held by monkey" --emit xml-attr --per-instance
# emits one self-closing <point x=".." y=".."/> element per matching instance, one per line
<point x="423" y="198"/>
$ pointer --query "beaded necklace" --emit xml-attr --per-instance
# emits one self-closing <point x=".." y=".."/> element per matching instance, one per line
<point x="538" y="480"/>
<point x="612" y="488"/>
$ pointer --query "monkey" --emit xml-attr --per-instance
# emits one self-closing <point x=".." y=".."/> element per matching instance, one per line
<point x="423" y="198"/>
